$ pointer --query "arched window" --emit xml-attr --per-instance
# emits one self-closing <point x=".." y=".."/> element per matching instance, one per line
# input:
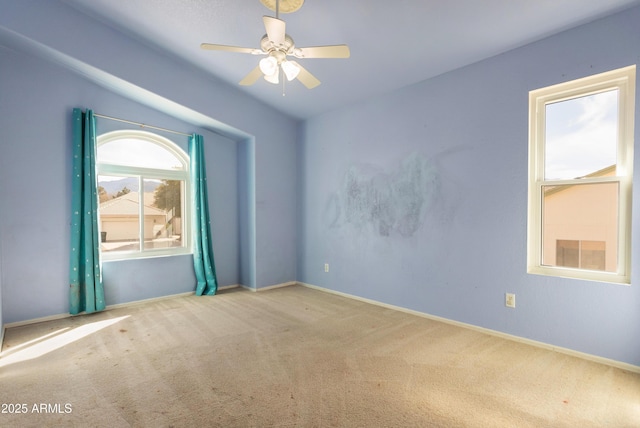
<point x="143" y="184"/>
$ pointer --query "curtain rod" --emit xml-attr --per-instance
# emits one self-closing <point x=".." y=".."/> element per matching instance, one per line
<point x="141" y="125"/>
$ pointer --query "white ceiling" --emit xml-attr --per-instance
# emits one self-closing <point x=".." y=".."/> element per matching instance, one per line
<point x="393" y="43"/>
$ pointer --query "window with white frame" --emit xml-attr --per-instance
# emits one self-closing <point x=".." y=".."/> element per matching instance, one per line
<point x="580" y="176"/>
<point x="143" y="182"/>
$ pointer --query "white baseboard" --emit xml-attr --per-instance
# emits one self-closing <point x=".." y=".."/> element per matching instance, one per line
<point x="36" y="320"/>
<point x="115" y="306"/>
<point x="566" y="351"/>
<point x="270" y="287"/>
<point x="152" y="299"/>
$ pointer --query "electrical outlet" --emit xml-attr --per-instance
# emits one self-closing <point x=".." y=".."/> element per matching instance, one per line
<point x="510" y="300"/>
<point x="326" y="267"/>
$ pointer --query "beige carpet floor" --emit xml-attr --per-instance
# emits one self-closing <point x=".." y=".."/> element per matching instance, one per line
<point x="294" y="357"/>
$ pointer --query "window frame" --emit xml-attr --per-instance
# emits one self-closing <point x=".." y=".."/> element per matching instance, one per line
<point x="623" y="80"/>
<point x="142" y="173"/>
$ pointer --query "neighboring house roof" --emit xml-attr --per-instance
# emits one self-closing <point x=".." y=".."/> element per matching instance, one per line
<point x="604" y="172"/>
<point x="127" y="205"/>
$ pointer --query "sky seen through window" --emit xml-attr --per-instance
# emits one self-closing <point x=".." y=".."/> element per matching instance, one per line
<point x="581" y="135"/>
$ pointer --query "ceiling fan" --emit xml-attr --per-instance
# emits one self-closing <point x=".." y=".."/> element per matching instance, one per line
<point x="277" y="45"/>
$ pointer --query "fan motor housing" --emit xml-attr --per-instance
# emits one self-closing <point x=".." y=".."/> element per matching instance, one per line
<point x="286" y="47"/>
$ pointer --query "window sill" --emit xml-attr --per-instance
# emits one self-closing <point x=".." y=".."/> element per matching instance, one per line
<point x="585" y="275"/>
<point x="135" y="255"/>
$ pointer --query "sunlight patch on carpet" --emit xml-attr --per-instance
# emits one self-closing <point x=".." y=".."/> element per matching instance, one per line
<point x="43" y="345"/>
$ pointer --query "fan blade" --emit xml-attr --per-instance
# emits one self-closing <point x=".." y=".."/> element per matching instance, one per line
<point x="335" y="51"/>
<point x="210" y="46"/>
<point x="275" y="29"/>
<point x="306" y="78"/>
<point x="252" y="77"/>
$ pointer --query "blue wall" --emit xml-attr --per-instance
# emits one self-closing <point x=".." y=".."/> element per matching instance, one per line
<point x="419" y="198"/>
<point x="45" y="73"/>
<point x="246" y="209"/>
<point x="36" y="173"/>
<point x="129" y="68"/>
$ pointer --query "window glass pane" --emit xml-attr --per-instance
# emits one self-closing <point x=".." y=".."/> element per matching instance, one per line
<point x="581" y="136"/>
<point x="580" y="226"/>
<point x="593" y="255"/>
<point x="567" y="253"/>
<point x="143" y="183"/>
<point x="140" y="153"/>
<point x="119" y="214"/>
<point x="163" y="213"/>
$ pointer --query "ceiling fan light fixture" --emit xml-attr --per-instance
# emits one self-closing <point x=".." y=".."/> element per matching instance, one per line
<point x="290" y="69"/>
<point x="269" y="66"/>
<point x="272" y="78"/>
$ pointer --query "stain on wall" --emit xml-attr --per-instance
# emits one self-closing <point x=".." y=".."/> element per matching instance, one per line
<point x="389" y="203"/>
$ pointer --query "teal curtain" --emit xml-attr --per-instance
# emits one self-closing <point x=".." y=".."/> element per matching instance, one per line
<point x="203" y="264"/>
<point x="86" y="293"/>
